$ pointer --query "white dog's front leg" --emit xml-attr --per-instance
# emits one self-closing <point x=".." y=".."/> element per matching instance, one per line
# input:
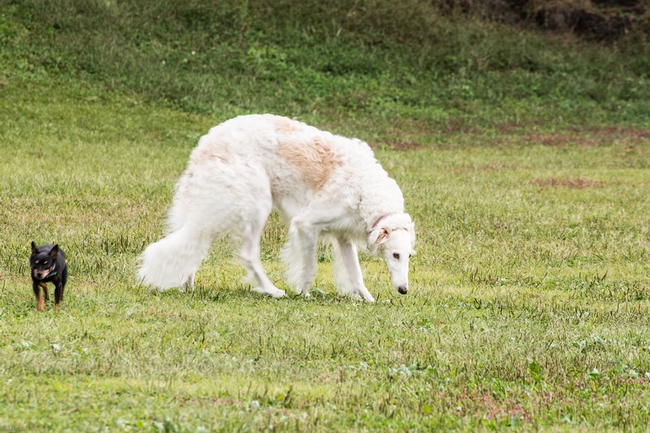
<point x="351" y="262"/>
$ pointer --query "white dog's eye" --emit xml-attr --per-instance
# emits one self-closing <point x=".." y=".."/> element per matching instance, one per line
<point x="396" y="255"/>
<point x="410" y="255"/>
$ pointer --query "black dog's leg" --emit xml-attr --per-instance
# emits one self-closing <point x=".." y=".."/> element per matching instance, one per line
<point x="44" y="287"/>
<point x="60" y="286"/>
<point x="58" y="295"/>
<point x="40" y="302"/>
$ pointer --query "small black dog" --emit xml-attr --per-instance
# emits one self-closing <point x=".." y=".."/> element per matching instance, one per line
<point x="48" y="266"/>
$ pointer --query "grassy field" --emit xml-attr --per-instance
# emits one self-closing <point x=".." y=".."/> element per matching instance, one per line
<point x="528" y="306"/>
<point x="525" y="162"/>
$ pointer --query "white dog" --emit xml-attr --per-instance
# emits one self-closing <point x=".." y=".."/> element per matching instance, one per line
<point x="319" y="182"/>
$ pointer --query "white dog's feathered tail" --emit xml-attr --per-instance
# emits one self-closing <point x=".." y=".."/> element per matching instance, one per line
<point x="173" y="261"/>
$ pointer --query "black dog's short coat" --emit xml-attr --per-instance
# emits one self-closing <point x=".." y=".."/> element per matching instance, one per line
<point x="48" y="266"/>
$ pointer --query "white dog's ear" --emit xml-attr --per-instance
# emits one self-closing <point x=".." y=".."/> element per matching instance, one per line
<point x="377" y="237"/>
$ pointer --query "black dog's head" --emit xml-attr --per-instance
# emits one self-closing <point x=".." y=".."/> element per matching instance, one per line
<point x="43" y="261"/>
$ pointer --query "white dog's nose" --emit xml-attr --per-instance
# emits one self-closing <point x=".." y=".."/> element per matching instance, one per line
<point x="403" y="289"/>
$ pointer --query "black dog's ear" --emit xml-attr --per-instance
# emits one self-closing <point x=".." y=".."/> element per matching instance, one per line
<point x="54" y="252"/>
<point x="34" y="250"/>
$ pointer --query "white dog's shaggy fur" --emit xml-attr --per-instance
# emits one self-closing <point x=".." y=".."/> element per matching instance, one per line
<point x="319" y="182"/>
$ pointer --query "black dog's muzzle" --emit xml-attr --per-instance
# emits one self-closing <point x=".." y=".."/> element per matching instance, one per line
<point x="51" y="272"/>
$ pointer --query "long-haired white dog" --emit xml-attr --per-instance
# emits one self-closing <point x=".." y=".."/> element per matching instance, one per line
<point x="321" y="184"/>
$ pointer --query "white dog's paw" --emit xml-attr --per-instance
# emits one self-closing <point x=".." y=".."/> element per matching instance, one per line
<point x="274" y="292"/>
<point x="365" y="295"/>
<point x="278" y="294"/>
<point x="362" y="296"/>
<point x="352" y="295"/>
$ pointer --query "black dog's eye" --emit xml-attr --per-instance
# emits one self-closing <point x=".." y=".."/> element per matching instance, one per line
<point x="396" y="255"/>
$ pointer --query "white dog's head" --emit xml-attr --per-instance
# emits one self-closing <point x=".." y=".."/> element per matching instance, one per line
<point x="393" y="235"/>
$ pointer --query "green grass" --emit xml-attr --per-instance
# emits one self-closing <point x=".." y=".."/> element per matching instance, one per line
<point x="524" y="160"/>
<point x="530" y="289"/>
<point x="359" y="60"/>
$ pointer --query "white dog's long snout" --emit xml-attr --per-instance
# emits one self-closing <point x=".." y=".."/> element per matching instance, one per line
<point x="399" y="277"/>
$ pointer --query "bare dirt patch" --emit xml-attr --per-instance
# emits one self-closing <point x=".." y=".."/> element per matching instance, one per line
<point x="589" y="136"/>
<point x="573" y="183"/>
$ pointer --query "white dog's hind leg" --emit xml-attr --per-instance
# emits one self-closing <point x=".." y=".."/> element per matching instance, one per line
<point x="250" y="256"/>
<point x="350" y="259"/>
<point x="300" y="255"/>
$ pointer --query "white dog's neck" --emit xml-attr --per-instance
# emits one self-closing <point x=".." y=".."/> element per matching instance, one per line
<point x="380" y="220"/>
<point x="380" y="197"/>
